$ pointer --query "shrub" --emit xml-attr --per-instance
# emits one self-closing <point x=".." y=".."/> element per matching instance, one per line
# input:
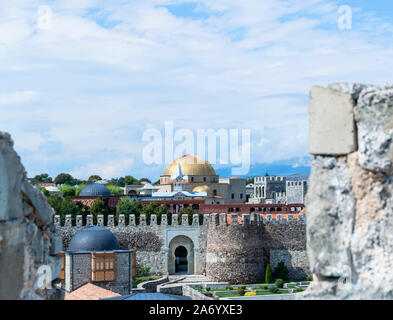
<point x="268" y="274"/>
<point x="241" y="291"/>
<point x="309" y="278"/>
<point x="229" y="288"/>
<point x="142" y="272"/>
<point x="208" y="289"/>
<point x="67" y="190"/>
<point x="273" y="289"/>
<point x="264" y="287"/>
<point x="79" y="189"/>
<point x="279" y="283"/>
<point x="115" y="190"/>
<point x="299" y="289"/>
<point x="251" y="293"/>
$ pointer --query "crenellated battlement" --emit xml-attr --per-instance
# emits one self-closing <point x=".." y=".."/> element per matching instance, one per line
<point x="215" y="219"/>
<point x="132" y="221"/>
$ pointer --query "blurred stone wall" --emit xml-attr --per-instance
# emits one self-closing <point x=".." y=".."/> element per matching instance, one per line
<point x="349" y="200"/>
<point x="28" y="244"/>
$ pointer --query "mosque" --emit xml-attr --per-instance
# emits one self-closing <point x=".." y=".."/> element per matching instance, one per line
<point x="197" y="175"/>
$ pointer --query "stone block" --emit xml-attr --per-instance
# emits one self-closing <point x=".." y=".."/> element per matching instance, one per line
<point x="89" y="220"/>
<point x="56" y="245"/>
<point x="184" y="219"/>
<point x="79" y="220"/>
<point x="100" y="220"/>
<point x="331" y="123"/>
<point x="195" y="220"/>
<point x="132" y="220"/>
<point x="175" y="220"/>
<point x="122" y="220"/>
<point x="111" y="220"/>
<point x="68" y="220"/>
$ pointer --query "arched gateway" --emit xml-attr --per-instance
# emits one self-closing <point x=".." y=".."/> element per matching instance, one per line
<point x="181" y="256"/>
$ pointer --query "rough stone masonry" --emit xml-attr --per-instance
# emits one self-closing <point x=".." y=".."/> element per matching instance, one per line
<point x="28" y="244"/>
<point x="349" y="201"/>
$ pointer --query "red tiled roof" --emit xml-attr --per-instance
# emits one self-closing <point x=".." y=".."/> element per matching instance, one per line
<point x="90" y="292"/>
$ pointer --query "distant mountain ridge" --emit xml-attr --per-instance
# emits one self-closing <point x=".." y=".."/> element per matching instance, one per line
<point x="297" y="168"/>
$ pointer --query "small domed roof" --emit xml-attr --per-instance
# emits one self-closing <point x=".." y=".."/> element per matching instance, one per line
<point x="94" y="190"/>
<point x="93" y="239"/>
<point x="203" y="189"/>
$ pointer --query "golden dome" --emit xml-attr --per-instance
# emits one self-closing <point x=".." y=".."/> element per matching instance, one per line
<point x="191" y="166"/>
<point x="203" y="189"/>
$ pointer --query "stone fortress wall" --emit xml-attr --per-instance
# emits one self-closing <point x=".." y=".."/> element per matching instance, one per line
<point x="349" y="202"/>
<point x="296" y="191"/>
<point x="255" y="235"/>
<point x="28" y="242"/>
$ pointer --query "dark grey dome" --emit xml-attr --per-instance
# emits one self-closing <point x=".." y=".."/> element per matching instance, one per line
<point x="93" y="239"/>
<point x="94" y="190"/>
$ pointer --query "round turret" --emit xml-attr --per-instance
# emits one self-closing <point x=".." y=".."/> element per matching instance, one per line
<point x="234" y="251"/>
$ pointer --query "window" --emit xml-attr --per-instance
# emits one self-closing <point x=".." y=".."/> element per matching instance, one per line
<point x="192" y="179"/>
<point x="204" y="179"/>
<point x="103" y="267"/>
<point x="61" y="276"/>
<point x="214" y="192"/>
<point x="233" y="196"/>
<point x="241" y="196"/>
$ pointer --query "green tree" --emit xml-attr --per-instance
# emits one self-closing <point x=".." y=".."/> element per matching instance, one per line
<point x="281" y="271"/>
<point x="268" y="274"/>
<point x="169" y="217"/>
<point x="67" y="190"/>
<point x="94" y="178"/>
<point x="189" y="212"/>
<point x="55" y="202"/>
<point x="120" y="182"/>
<point x="115" y="190"/>
<point x="65" y="178"/>
<point x="69" y="207"/>
<point x="127" y="206"/>
<point x="200" y="216"/>
<point x="162" y="210"/>
<point x="149" y="209"/>
<point x="43" y="177"/>
<point x="130" y="180"/>
<point x="99" y="207"/>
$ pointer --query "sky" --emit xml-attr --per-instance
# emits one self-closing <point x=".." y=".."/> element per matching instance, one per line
<point x="77" y="94"/>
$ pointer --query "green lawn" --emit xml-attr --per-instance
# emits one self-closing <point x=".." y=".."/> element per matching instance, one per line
<point x="238" y="295"/>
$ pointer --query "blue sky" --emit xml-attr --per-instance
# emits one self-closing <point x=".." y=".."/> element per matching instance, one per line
<point x="78" y="96"/>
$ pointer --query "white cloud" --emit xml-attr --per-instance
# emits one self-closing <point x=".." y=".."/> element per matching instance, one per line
<point x="107" y="170"/>
<point x="249" y="65"/>
<point x="18" y="97"/>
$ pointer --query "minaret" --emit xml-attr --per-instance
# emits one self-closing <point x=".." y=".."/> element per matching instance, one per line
<point x="179" y="178"/>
